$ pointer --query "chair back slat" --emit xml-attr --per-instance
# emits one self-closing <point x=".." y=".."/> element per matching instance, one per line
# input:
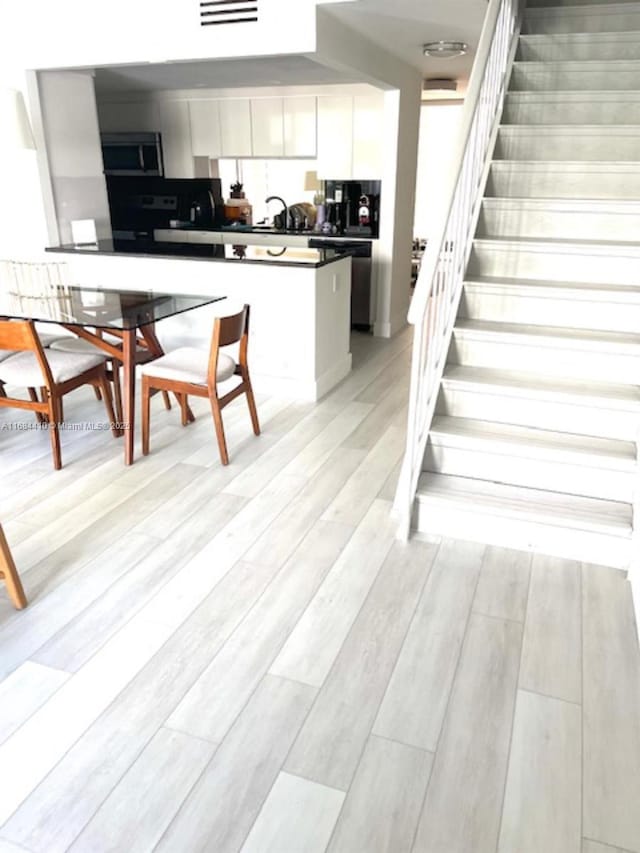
<point x="18" y="335"/>
<point x="232" y="327"/>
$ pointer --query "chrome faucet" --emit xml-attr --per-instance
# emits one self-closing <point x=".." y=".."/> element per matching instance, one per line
<point x="285" y="223"/>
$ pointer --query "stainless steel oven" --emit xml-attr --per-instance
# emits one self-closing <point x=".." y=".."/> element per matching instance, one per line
<point x="132" y="154"/>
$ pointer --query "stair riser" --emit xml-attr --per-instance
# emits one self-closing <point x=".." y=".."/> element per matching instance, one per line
<point x="431" y="519"/>
<point x="554" y="182"/>
<point x="548" y="360"/>
<point x="484" y="304"/>
<point x="533" y="79"/>
<point x="562" y="49"/>
<point x="558" y="223"/>
<point x="584" y="21"/>
<point x="539" y="413"/>
<point x="573" y="478"/>
<point x="548" y="145"/>
<point x="548" y="265"/>
<point x="572" y="112"/>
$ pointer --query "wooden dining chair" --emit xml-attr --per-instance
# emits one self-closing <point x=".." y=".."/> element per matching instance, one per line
<point x="187" y="371"/>
<point x="71" y="343"/>
<point x="56" y="374"/>
<point x="9" y="574"/>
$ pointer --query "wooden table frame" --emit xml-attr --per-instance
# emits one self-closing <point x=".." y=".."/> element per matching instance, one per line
<point x="126" y="355"/>
<point x="9" y="574"/>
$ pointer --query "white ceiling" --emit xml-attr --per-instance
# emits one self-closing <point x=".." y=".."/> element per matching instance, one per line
<point x="403" y="26"/>
<point x="286" y="70"/>
<point x="399" y="26"/>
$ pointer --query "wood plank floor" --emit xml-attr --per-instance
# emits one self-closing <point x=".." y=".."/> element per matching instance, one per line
<point x="245" y="659"/>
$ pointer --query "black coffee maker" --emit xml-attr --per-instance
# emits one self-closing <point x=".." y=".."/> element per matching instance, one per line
<point x="354" y="207"/>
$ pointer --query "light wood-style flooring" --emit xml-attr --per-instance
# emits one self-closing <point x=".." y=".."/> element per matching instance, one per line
<point x="245" y="659"/>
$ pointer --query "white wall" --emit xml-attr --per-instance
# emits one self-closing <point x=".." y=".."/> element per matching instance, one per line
<point x="70" y="126"/>
<point x="440" y="125"/>
<point x="344" y="49"/>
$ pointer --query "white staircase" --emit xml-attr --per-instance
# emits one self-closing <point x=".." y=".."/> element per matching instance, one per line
<point x="533" y="442"/>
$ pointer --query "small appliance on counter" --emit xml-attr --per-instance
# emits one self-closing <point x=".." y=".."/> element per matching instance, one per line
<point x="236" y="208"/>
<point x="352" y="208"/>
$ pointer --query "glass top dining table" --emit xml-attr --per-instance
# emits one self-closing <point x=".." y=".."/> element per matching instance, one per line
<point x="128" y="316"/>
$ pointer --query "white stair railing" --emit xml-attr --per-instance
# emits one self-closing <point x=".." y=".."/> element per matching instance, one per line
<point x="439" y="286"/>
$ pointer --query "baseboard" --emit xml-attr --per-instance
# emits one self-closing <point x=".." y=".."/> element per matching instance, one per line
<point x="634" y="582"/>
<point x="301" y="390"/>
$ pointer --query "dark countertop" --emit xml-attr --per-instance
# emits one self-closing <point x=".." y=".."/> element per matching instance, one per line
<point x="261" y="229"/>
<point x="271" y="255"/>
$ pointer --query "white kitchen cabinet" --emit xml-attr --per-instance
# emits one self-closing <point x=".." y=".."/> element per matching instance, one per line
<point x="267" y="127"/>
<point x="367" y="138"/>
<point x="300" y="127"/>
<point x="128" y="116"/>
<point x="335" y="137"/>
<point x="176" y="139"/>
<point x="206" y="137"/>
<point x="235" y="127"/>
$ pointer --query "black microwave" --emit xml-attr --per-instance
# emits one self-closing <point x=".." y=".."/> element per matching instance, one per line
<point x="132" y="154"/>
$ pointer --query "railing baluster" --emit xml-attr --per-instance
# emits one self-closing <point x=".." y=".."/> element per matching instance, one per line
<point x="439" y="286"/>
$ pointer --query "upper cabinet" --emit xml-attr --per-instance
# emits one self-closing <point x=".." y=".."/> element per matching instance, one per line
<point x="235" y="127"/>
<point x="335" y="137"/>
<point x="176" y="139"/>
<point x="128" y="116"/>
<point x="300" y="127"/>
<point x="267" y="127"/>
<point x="341" y="131"/>
<point x="349" y="137"/>
<point x="367" y="144"/>
<point x="206" y="136"/>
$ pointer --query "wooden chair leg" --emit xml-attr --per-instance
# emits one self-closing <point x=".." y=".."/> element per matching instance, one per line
<point x="252" y="405"/>
<point x="3" y="393"/>
<point x="146" y="414"/>
<point x="96" y="391"/>
<point x="167" y="400"/>
<point x="43" y="396"/>
<point x="103" y="385"/>
<point x="54" y="432"/>
<point x="33" y="396"/>
<point x="184" y="409"/>
<point x="217" y="420"/>
<point x="9" y="574"/>
<point x="117" y="391"/>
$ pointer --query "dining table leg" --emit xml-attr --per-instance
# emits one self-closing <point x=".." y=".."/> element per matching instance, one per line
<point x="129" y="391"/>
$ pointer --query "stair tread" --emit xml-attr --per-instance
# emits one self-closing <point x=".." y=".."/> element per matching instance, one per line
<point x="565" y="165"/>
<point x="574" y="94"/>
<point x="628" y="35"/>
<point x="598" y="205"/>
<point x="550" y="129"/>
<point x="628" y="292"/>
<point x="620" y="454"/>
<point x="553" y="508"/>
<point x="558" y="333"/>
<point x="577" y="8"/>
<point x="555" y="242"/>
<point x="528" y="384"/>
<point x="577" y="64"/>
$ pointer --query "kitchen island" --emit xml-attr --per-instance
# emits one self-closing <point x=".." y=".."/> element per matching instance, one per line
<point x="299" y="345"/>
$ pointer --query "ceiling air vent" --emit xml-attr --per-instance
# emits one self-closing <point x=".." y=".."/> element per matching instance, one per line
<point x="216" y="12"/>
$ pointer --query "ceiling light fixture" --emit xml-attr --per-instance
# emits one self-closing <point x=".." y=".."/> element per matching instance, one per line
<point x="445" y="49"/>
